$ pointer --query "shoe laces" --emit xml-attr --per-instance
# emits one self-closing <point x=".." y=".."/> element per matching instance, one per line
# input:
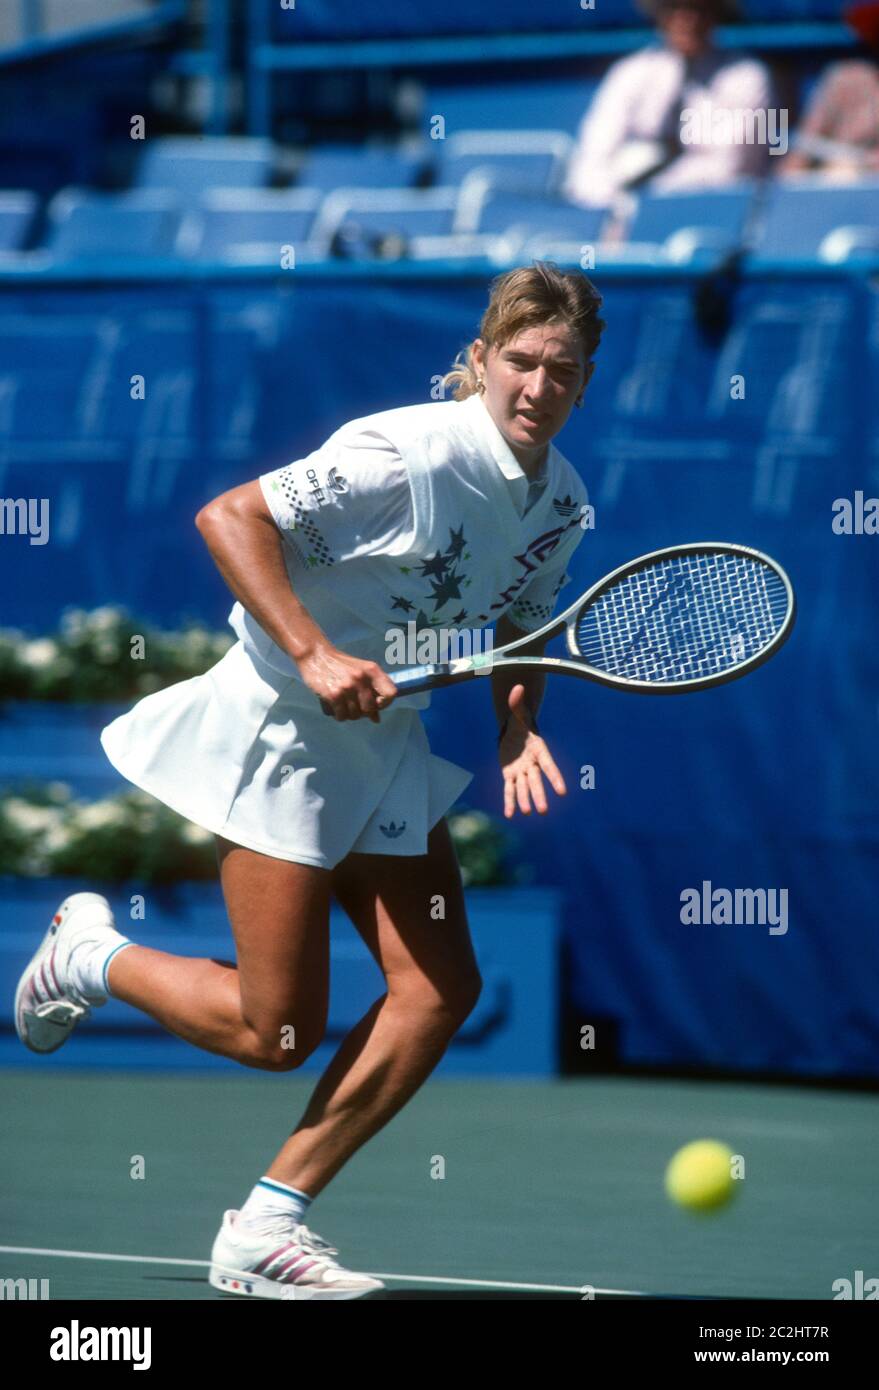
<point x="315" y="1244"/>
<point x="281" y="1228"/>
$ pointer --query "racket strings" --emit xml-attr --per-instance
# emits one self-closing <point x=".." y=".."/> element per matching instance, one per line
<point x="683" y="618"/>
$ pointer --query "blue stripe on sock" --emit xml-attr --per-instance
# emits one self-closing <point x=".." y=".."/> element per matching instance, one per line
<point x="274" y="1186"/>
<point x="116" y="949"/>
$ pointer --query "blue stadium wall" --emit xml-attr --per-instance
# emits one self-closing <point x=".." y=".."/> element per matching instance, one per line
<point x="333" y="19"/>
<point x="767" y="783"/>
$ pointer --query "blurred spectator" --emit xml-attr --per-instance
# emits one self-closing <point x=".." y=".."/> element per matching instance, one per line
<point x="682" y="108"/>
<point x="839" y="135"/>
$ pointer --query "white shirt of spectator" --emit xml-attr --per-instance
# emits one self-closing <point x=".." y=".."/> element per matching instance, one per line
<point x="640" y="99"/>
<point x="419" y="514"/>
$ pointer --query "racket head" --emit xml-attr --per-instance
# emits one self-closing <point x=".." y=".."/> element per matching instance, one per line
<point x="686" y="617"/>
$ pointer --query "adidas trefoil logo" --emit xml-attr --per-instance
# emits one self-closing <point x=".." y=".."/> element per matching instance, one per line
<point x="565" y="506"/>
<point x="392" y="831"/>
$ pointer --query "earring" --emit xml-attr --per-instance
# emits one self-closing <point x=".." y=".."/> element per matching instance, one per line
<point x="579" y="402"/>
<point x="480" y="385"/>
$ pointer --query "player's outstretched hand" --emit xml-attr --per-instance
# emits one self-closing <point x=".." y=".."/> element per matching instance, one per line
<point x="524" y="756"/>
<point x="347" y="686"/>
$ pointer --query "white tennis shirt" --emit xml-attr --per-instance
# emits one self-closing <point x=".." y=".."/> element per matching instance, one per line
<point x="419" y="514"/>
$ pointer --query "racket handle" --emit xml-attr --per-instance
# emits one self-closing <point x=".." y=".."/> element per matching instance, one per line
<point x="418" y="678"/>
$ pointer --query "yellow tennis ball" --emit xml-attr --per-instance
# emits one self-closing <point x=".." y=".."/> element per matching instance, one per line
<point x="699" y="1176"/>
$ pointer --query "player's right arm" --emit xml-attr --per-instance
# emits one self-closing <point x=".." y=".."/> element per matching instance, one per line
<point x="246" y="546"/>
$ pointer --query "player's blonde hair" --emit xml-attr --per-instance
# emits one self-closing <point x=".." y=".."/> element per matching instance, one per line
<point x="529" y="297"/>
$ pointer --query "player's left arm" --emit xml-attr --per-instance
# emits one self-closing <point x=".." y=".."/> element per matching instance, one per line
<point x="503" y="681"/>
<point x="524" y="755"/>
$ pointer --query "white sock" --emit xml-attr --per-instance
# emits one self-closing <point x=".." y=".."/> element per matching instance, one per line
<point x="271" y="1199"/>
<point x="87" y="966"/>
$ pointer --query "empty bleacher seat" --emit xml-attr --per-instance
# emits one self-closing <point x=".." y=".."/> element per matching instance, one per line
<point x="360" y="166"/>
<point x="111" y="226"/>
<point x="249" y="228"/>
<point x="17" y="210"/>
<point x="558" y="103"/>
<point x="501" y="225"/>
<point x="810" y="217"/>
<point x="189" y="167"/>
<point x="528" y="160"/>
<point x="683" y="224"/>
<point x="487" y="209"/>
<point x="353" y="221"/>
<point x="460" y="246"/>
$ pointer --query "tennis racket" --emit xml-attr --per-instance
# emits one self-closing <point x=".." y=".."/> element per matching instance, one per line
<point x="687" y="617"/>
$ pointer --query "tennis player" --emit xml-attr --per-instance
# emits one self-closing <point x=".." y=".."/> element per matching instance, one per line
<point x="458" y="513"/>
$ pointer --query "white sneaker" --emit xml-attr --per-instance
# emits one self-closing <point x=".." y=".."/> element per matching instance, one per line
<point x="290" y="1263"/>
<point x="48" y="1005"/>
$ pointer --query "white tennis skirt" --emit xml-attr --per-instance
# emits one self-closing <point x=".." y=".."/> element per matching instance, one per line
<point x="248" y="753"/>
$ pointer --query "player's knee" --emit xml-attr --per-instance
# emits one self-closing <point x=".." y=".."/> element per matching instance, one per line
<point x="268" y="1059"/>
<point x="455" y="1002"/>
<point x="282" y="1053"/>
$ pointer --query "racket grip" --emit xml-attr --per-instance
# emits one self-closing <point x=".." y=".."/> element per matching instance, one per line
<point x="418" y="678"/>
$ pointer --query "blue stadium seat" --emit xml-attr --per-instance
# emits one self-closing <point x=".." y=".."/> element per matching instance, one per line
<point x="17" y="210"/>
<point x="458" y="246"/>
<point x="190" y="167"/>
<point x="532" y="161"/>
<point x="501" y="225"/>
<point x="360" y="166"/>
<point x="352" y="221"/>
<point x="249" y="228"/>
<point x="810" y="217"/>
<point x="492" y="210"/>
<point x="683" y="224"/>
<point x="102" y="226"/>
<point x="556" y="104"/>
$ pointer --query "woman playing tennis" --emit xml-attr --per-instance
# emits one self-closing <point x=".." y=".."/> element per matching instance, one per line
<point x="458" y="513"/>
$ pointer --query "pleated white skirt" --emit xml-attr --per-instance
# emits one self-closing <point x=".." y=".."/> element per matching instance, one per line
<point x="247" y="753"/>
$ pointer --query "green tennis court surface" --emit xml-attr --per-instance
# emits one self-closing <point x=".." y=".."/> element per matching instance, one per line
<point x="550" y="1186"/>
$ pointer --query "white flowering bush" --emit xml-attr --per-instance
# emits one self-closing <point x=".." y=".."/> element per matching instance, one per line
<point x="45" y="832"/>
<point x="132" y="837"/>
<point x="103" y="654"/>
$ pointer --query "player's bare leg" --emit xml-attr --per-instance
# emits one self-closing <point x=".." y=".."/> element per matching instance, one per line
<point x="279" y="914"/>
<point x="433" y="984"/>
